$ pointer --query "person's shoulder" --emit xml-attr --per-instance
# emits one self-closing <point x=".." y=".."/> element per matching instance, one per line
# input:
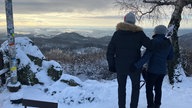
<point x="128" y="27"/>
<point x="155" y="40"/>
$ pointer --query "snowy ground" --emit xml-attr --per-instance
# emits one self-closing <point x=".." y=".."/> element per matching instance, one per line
<point x="103" y="92"/>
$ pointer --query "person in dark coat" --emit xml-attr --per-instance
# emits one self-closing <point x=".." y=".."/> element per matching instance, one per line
<point x="157" y="67"/>
<point x="122" y="52"/>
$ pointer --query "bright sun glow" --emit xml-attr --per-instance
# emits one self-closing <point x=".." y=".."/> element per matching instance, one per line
<point x="64" y="19"/>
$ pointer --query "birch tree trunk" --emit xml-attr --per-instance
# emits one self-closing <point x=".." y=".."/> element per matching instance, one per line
<point x="175" y="20"/>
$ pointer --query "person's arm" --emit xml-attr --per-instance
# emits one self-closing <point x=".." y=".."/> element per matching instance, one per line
<point x="147" y="55"/>
<point x="145" y="58"/>
<point x="111" y="54"/>
<point x="146" y="42"/>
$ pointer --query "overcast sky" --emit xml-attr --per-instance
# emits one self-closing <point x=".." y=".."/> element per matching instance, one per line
<point x="47" y="6"/>
<point x="63" y="13"/>
<point x="52" y="13"/>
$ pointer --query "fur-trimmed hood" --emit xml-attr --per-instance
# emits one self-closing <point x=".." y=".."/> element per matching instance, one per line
<point x="128" y="27"/>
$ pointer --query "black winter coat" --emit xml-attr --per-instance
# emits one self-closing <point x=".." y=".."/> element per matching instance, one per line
<point x="124" y="48"/>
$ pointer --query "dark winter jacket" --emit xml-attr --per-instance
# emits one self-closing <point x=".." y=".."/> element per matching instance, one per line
<point x="157" y="59"/>
<point x="124" y="48"/>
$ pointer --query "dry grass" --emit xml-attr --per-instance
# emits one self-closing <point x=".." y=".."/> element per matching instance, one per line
<point x="69" y="56"/>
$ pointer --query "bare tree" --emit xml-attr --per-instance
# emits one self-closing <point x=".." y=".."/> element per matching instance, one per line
<point x="157" y="9"/>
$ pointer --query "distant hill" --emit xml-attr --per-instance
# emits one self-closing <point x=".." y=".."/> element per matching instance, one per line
<point x="65" y="41"/>
<point x="70" y="41"/>
<point x="74" y="40"/>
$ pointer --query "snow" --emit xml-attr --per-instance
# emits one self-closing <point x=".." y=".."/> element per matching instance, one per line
<point x="88" y="93"/>
<point x="103" y="92"/>
<point x="14" y="85"/>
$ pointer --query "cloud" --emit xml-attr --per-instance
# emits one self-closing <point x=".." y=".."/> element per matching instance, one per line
<point x="47" y="6"/>
<point x="106" y="17"/>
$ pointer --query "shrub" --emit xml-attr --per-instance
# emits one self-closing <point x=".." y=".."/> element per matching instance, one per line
<point x="53" y="73"/>
<point x="26" y="76"/>
<point x="36" y="60"/>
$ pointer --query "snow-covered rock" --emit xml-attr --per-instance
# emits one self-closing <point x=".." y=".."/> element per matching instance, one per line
<point x="33" y="67"/>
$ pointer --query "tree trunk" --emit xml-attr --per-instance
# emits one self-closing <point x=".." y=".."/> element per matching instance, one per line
<point x="175" y="20"/>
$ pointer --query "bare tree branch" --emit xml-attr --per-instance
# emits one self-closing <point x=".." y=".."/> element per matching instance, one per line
<point x="148" y="12"/>
<point x="160" y="2"/>
<point x="152" y="11"/>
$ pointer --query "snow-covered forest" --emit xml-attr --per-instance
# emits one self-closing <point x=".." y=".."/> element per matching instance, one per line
<point x="77" y="77"/>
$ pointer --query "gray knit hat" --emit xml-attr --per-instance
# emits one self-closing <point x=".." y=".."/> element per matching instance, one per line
<point x="160" y="29"/>
<point x="130" y="18"/>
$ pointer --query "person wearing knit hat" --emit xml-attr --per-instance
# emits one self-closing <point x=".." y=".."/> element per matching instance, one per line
<point x="160" y="29"/>
<point x="130" y="18"/>
<point x="122" y="52"/>
<point x="157" y="65"/>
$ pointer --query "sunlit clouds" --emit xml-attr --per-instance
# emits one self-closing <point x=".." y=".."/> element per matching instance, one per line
<point x="62" y="19"/>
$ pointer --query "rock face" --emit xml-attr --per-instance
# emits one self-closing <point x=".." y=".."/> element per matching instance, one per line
<point x="33" y="68"/>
